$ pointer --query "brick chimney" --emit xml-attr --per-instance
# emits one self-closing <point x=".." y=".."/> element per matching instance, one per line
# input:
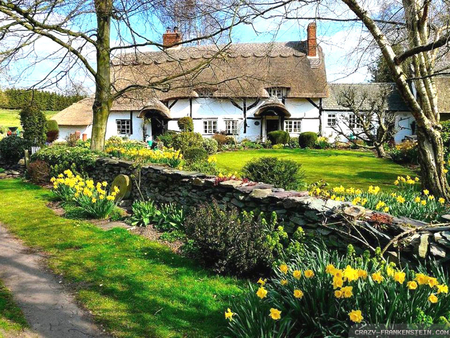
<point x="171" y="38"/>
<point x="312" y="40"/>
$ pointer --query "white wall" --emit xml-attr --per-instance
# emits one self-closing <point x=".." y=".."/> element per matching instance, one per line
<point x="65" y="131"/>
<point x="403" y="125"/>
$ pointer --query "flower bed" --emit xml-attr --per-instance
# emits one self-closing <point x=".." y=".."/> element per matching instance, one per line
<point x="172" y="158"/>
<point x="408" y="201"/>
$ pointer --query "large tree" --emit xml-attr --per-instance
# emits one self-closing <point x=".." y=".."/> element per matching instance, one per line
<point x="107" y="28"/>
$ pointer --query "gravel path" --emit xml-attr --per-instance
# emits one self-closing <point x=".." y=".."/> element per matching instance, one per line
<point x="49" y="309"/>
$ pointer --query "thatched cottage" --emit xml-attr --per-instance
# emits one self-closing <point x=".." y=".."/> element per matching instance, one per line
<point x="246" y="90"/>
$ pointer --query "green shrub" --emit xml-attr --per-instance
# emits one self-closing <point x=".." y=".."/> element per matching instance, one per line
<point x="186" y="140"/>
<point x="307" y="139"/>
<point x="229" y="242"/>
<point x="193" y="155"/>
<point x="220" y="139"/>
<point x="284" y="174"/>
<point x="251" y="145"/>
<point x="278" y="146"/>
<point x="12" y="149"/>
<point x="322" y="142"/>
<point x="39" y="172"/>
<point x="52" y="130"/>
<point x="279" y="137"/>
<point x="445" y="134"/>
<point x="61" y="158"/>
<point x="205" y="167"/>
<point x="210" y="145"/>
<point x="167" y="139"/>
<point x="330" y="287"/>
<point x="2" y="170"/>
<point x="170" y="218"/>
<point x="143" y="213"/>
<point x="405" y="153"/>
<point x="186" y="124"/>
<point x="33" y="121"/>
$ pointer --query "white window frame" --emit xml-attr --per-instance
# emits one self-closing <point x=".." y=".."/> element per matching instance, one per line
<point x="331" y="120"/>
<point x="231" y="127"/>
<point x="209" y="126"/>
<point x="293" y="126"/>
<point x="123" y="126"/>
<point x="279" y="92"/>
<point x="353" y="122"/>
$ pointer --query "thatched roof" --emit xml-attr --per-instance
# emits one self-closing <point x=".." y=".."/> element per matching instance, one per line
<point x="154" y="106"/>
<point x="236" y="70"/>
<point x="443" y="91"/>
<point x="78" y="114"/>
<point x="273" y="104"/>
<point x="395" y="101"/>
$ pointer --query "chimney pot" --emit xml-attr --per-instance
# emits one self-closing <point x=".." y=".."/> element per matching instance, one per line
<point x="171" y="38"/>
<point x="312" y="40"/>
<point x="175" y="29"/>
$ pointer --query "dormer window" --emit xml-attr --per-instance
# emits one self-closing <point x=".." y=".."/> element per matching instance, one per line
<point x="205" y="92"/>
<point x="279" y="92"/>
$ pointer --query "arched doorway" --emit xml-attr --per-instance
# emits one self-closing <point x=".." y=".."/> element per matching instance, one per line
<point x="156" y="118"/>
<point x="273" y="113"/>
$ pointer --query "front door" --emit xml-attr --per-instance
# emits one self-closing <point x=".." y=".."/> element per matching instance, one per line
<point x="271" y="125"/>
<point x="159" y="127"/>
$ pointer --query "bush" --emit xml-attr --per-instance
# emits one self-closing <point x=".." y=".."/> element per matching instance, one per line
<point x="229" y="242"/>
<point x="307" y="139"/>
<point x="210" y="145"/>
<point x="170" y="218"/>
<point x="322" y="142"/>
<point x="52" y="130"/>
<point x="220" y="139"/>
<point x="33" y="121"/>
<point x="186" y="140"/>
<point x="323" y="294"/>
<point x="405" y="153"/>
<point x="39" y="172"/>
<point x="186" y="124"/>
<point x="167" y="139"/>
<point x="205" y="167"/>
<point x="193" y="155"/>
<point x="279" y="137"/>
<point x="144" y="213"/>
<point x="61" y="158"/>
<point x="251" y="145"/>
<point x="278" y="146"/>
<point x="12" y="149"/>
<point x="445" y="134"/>
<point x="284" y="174"/>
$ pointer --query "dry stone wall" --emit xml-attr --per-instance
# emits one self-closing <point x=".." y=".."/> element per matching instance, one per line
<point x="339" y="223"/>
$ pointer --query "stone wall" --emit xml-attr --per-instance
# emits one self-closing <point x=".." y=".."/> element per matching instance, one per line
<point x="340" y="223"/>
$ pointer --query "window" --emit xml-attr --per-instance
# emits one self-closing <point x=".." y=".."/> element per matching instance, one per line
<point x="279" y="92"/>
<point x="231" y="127"/>
<point x="123" y="127"/>
<point x="353" y="121"/>
<point x="331" y="120"/>
<point x="293" y="126"/>
<point x="209" y="126"/>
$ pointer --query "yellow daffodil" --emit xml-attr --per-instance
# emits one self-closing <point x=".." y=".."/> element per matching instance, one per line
<point x="309" y="273"/>
<point x="421" y="279"/>
<point x="330" y="269"/>
<point x="229" y="315"/>
<point x="262" y="282"/>
<point x="433" y="299"/>
<point x="362" y="273"/>
<point x="261" y="293"/>
<point x="338" y="294"/>
<point x="337" y="282"/>
<point x="297" y="274"/>
<point x="347" y="291"/>
<point x="356" y="316"/>
<point x="377" y="277"/>
<point x="399" y="277"/>
<point x="284" y="268"/>
<point x="441" y="200"/>
<point x="426" y="192"/>
<point x="417" y="199"/>
<point x="412" y="285"/>
<point x="284" y="282"/>
<point x="298" y="294"/>
<point x="442" y="288"/>
<point x="275" y="314"/>
<point x="350" y="274"/>
<point x="432" y="282"/>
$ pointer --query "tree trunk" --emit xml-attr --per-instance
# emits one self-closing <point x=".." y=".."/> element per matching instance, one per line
<point x="380" y="150"/>
<point x="431" y="160"/>
<point x="102" y="102"/>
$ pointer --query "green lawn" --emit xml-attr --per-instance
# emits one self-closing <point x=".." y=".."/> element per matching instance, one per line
<point x="11" y="317"/>
<point x="10" y="118"/>
<point x="349" y="168"/>
<point x="133" y="286"/>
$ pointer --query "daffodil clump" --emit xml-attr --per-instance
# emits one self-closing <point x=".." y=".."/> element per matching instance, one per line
<point x="322" y="294"/>
<point x="171" y="157"/>
<point x="408" y="200"/>
<point x="92" y="197"/>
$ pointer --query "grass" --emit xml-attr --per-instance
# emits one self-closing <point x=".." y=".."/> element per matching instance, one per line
<point x="10" y="117"/>
<point x="11" y="317"/>
<point x="336" y="167"/>
<point x="133" y="286"/>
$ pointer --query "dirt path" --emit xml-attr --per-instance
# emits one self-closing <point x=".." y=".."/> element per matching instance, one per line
<point x="49" y="309"/>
